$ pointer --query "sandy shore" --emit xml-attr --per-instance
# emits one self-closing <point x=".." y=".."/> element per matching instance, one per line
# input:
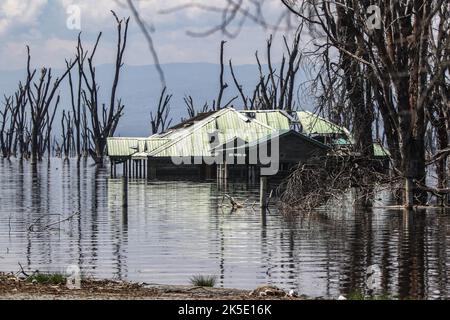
<point x="13" y="288"/>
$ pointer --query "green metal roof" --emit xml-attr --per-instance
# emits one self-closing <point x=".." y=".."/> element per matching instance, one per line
<point x="313" y="124"/>
<point x="281" y="133"/>
<point x="380" y="151"/>
<point x="192" y="138"/>
<point x="277" y="119"/>
<point x="195" y="139"/>
<point x="124" y="147"/>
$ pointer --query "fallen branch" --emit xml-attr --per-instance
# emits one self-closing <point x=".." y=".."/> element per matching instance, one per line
<point x="23" y="271"/>
<point x="58" y="222"/>
<point x="438" y="192"/>
<point x="31" y="227"/>
<point x="236" y="205"/>
<point x="440" y="155"/>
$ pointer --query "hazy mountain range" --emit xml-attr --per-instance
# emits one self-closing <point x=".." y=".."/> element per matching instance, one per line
<point x="140" y="89"/>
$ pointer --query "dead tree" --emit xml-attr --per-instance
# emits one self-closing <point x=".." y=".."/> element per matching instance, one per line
<point x="46" y="136"/>
<point x="85" y="132"/>
<point x="20" y="143"/>
<point x="104" y="119"/>
<point x="325" y="180"/>
<point x="40" y="96"/>
<point x="232" y="16"/>
<point x="276" y="88"/>
<point x="222" y="85"/>
<point x="238" y="86"/>
<point x="397" y="56"/>
<point x="191" y="109"/>
<point x="18" y="121"/>
<point x="67" y="134"/>
<point x="5" y="131"/>
<point x="160" y="121"/>
<point x="438" y="112"/>
<point x="10" y="130"/>
<point x="76" y="99"/>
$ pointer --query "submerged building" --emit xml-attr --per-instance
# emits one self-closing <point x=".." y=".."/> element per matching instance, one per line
<point x="230" y="144"/>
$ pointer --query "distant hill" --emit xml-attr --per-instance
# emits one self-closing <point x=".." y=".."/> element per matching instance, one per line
<point x="140" y="87"/>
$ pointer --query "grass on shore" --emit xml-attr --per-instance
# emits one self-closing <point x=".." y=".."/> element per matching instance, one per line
<point x="47" y="278"/>
<point x="203" y="281"/>
<point x="361" y="296"/>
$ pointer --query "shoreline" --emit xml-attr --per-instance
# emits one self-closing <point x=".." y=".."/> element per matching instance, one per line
<point x="17" y="288"/>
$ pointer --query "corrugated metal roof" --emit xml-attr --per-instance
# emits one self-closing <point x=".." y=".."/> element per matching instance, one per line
<point x="124" y="147"/>
<point x="225" y="124"/>
<point x="193" y="137"/>
<point x="277" y="119"/>
<point x="313" y="124"/>
<point x="275" y="134"/>
<point x="380" y="151"/>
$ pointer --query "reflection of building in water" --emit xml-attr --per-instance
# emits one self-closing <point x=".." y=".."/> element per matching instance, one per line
<point x="176" y="229"/>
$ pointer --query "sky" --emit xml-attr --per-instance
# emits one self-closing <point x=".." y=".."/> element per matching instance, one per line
<point x="50" y="28"/>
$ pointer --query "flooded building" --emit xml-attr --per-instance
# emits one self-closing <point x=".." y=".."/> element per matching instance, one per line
<point x="228" y="143"/>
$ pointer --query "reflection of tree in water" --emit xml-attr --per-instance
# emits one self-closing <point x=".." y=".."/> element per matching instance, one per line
<point x="324" y="252"/>
<point x="411" y="255"/>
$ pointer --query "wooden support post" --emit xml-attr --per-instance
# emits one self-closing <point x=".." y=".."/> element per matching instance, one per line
<point x="219" y="172"/>
<point x="151" y="164"/>
<point x="124" y="192"/>
<point x="138" y="162"/>
<point x="129" y="168"/>
<point x="111" y="169"/>
<point x="140" y="168"/>
<point x="138" y="165"/>
<point x="263" y="192"/>
<point x="263" y="216"/>
<point x="225" y="171"/>
<point x="144" y="167"/>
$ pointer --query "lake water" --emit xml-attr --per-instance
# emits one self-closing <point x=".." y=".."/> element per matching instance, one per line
<point x="173" y="230"/>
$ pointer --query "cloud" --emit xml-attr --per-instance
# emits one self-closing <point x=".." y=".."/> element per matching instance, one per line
<point x="42" y="25"/>
<point x="24" y="13"/>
